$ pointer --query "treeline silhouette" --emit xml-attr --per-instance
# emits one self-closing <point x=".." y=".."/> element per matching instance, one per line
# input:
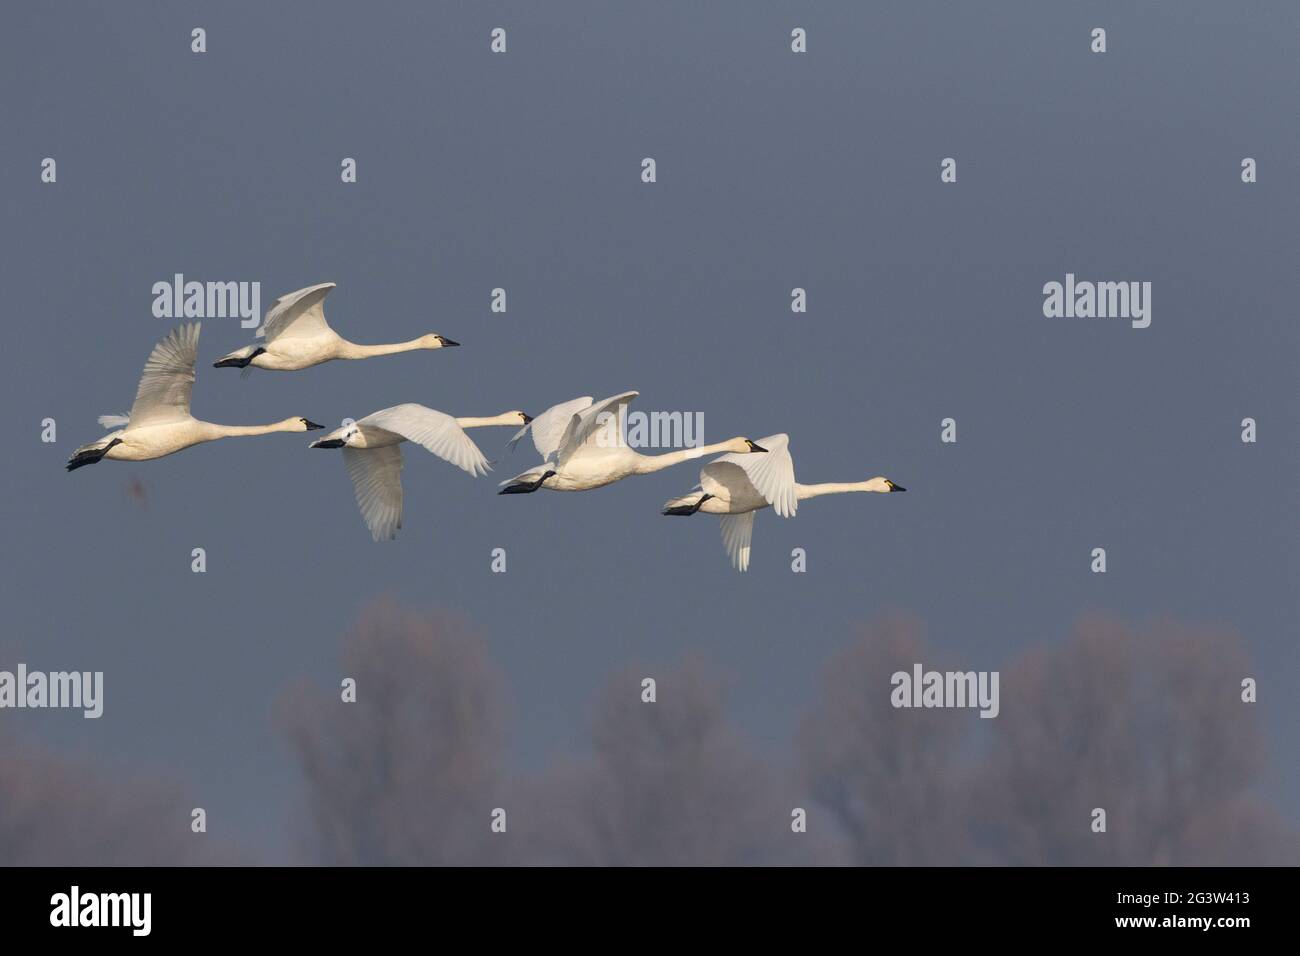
<point x="1146" y="722"/>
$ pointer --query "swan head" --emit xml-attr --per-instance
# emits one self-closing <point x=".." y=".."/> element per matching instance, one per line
<point x="300" y="424"/>
<point x="882" y="484"/>
<point x="338" y="438"/>
<point x="744" y="446"/>
<point x="435" y="341"/>
<point x="517" y="418"/>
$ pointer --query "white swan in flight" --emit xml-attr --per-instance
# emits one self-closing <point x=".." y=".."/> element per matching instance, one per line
<point x="735" y="486"/>
<point x="582" y="447"/>
<point x="160" y="422"/>
<point x="295" y="335"/>
<point x="373" y="455"/>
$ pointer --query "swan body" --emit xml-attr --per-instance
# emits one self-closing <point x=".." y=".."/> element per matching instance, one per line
<point x="737" y="486"/>
<point x="295" y="336"/>
<point x="582" y="447"/>
<point x="373" y="457"/>
<point x="160" y="422"/>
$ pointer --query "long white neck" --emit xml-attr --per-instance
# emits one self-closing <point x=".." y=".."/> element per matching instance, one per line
<point x="351" y="350"/>
<point x="211" y="432"/>
<point x="836" y="488"/>
<point x="649" y="463"/>
<point x="505" y="418"/>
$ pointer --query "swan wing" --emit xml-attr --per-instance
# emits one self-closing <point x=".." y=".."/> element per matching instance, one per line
<point x="438" y="432"/>
<point x="599" y="423"/>
<point x="548" y="427"/>
<point x="168" y="379"/>
<point x="376" y="475"/>
<point x="299" y="315"/>
<point x="771" y="474"/>
<point x="737" y="531"/>
<point x="729" y="482"/>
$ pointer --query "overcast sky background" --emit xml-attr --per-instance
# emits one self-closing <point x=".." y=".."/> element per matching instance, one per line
<point x="523" y="171"/>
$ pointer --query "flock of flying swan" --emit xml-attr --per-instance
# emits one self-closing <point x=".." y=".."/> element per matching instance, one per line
<point x="580" y="441"/>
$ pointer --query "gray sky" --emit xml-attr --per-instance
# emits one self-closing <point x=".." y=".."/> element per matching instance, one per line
<point x="522" y="171"/>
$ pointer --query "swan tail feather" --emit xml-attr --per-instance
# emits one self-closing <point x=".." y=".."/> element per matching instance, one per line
<point x="685" y="505"/>
<point x="526" y="483"/>
<point x="528" y="477"/>
<point x="91" y="453"/>
<point x="114" y="421"/>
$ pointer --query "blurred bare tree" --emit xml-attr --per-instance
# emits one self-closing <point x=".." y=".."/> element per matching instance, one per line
<point x="410" y="772"/>
<point x="890" y="778"/>
<point x="60" y="812"/>
<point x="669" y="784"/>
<point x="1144" y="722"/>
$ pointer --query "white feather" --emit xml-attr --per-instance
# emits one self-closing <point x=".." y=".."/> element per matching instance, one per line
<point x="298" y="314"/>
<point x="549" y="427"/>
<point x="163" y="395"/>
<point x="600" y="423"/>
<point x="771" y="474"/>
<point x="438" y="432"/>
<point x="737" y="532"/>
